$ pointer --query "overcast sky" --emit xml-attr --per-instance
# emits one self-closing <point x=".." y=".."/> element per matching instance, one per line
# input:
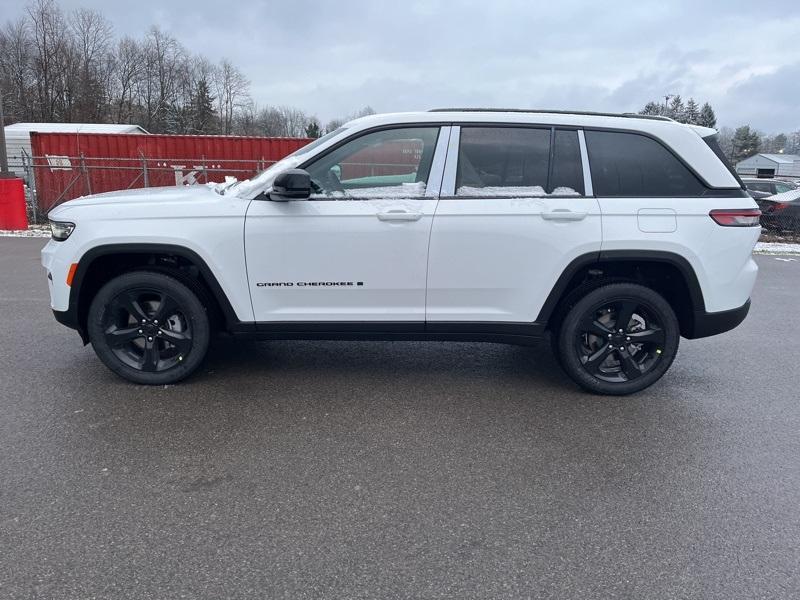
<point x="332" y="57"/>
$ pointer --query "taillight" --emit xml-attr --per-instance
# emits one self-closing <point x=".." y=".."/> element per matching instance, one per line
<point x="746" y="217"/>
<point x="779" y="206"/>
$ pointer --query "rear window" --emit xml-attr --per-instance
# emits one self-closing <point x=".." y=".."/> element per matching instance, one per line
<point x="519" y="161"/>
<point x="712" y="141"/>
<point x="633" y="165"/>
<point x="759" y="186"/>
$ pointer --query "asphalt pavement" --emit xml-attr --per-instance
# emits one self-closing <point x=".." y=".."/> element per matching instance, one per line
<point x="397" y="470"/>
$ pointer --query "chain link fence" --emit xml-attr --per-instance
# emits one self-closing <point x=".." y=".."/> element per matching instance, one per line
<point x="51" y="180"/>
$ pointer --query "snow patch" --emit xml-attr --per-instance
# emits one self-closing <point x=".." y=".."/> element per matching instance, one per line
<point x="31" y="233"/>
<point x="776" y="248"/>
<point x="404" y="190"/>
<point x="535" y="191"/>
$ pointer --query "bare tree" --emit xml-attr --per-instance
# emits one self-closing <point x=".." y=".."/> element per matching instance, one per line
<point x="232" y="93"/>
<point x="125" y="70"/>
<point x="50" y="41"/>
<point x="15" y="69"/>
<point x="92" y="36"/>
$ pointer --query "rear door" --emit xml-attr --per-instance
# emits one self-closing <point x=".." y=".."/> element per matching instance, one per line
<point x="357" y="249"/>
<point x="516" y="209"/>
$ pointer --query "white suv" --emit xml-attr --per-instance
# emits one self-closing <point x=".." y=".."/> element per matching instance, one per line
<point x="614" y="234"/>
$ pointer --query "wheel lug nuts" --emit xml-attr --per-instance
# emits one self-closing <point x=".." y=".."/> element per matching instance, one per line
<point x="155" y="322"/>
<point x="140" y="331"/>
<point x="149" y="339"/>
<point x="622" y="347"/>
<point x="627" y="339"/>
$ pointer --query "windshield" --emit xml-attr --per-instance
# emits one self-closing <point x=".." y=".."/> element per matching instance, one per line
<point x="252" y="187"/>
<point x="317" y="142"/>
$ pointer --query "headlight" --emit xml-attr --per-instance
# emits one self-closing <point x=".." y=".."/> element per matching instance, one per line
<point x="61" y="230"/>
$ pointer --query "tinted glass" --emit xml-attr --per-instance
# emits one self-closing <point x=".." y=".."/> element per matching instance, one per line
<point x="515" y="159"/>
<point x="713" y="143"/>
<point x="628" y="164"/>
<point x="759" y="186"/>
<point x="389" y="163"/>
<point x="783" y="187"/>
<point x="566" y="178"/>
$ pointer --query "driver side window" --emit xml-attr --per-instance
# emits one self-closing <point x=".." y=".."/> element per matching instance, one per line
<point x="393" y="163"/>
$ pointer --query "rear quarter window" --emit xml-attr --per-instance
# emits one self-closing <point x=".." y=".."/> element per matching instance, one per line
<point x="629" y="164"/>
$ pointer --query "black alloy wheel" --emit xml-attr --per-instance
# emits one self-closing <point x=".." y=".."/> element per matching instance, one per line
<point x="618" y="339"/>
<point x="148" y="327"/>
<point x="147" y="330"/>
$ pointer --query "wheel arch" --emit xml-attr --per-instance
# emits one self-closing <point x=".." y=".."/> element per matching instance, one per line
<point x="668" y="273"/>
<point x="102" y="263"/>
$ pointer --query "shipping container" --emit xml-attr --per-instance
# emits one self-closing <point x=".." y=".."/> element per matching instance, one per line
<point x="67" y="166"/>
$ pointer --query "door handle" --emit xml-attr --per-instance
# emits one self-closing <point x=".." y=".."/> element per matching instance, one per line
<point x="563" y="214"/>
<point x="399" y="215"/>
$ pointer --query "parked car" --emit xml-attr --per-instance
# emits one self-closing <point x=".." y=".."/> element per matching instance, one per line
<point x="614" y="235"/>
<point x="768" y="186"/>
<point x="781" y="212"/>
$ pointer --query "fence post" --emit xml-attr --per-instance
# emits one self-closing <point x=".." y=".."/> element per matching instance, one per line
<point x="86" y="174"/>
<point x="144" y="170"/>
<point x="30" y="180"/>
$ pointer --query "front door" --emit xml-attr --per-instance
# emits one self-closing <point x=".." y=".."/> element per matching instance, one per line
<point x="357" y="249"/>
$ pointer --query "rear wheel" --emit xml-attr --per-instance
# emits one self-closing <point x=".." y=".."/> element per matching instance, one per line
<point x="148" y="328"/>
<point x="618" y="339"/>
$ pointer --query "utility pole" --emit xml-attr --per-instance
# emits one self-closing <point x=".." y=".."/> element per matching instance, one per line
<point x="4" y="172"/>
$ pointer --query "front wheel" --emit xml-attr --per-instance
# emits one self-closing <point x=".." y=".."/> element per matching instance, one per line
<point x="618" y="339"/>
<point x="149" y="328"/>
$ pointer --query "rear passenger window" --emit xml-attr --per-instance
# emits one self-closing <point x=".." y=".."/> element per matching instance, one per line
<point x="628" y="164"/>
<point x="566" y="177"/>
<point x="515" y="161"/>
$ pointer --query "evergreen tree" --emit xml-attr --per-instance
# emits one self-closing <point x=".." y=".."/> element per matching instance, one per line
<point x="203" y="113"/>
<point x="692" y="112"/>
<point x="676" y="109"/>
<point x="652" y="108"/>
<point x="778" y="143"/>
<point x="707" y="116"/>
<point x="746" y="142"/>
<point x="793" y="143"/>
<point x="313" y="128"/>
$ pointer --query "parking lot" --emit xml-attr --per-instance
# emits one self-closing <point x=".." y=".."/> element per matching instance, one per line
<point x="394" y="470"/>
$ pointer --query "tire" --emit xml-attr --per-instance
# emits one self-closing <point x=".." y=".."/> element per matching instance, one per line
<point x="149" y="328"/>
<point x="599" y="358"/>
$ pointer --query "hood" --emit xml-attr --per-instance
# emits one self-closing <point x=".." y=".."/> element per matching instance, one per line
<point x="157" y="202"/>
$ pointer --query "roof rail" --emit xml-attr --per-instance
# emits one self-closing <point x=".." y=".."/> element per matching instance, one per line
<point x="628" y="115"/>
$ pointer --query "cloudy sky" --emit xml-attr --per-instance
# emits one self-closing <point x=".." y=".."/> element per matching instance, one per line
<point x="332" y="57"/>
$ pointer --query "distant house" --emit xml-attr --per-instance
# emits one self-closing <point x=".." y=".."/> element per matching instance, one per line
<point x="770" y="165"/>
<point x="18" y="137"/>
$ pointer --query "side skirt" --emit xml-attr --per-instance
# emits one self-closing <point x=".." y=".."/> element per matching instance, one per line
<point x="503" y="333"/>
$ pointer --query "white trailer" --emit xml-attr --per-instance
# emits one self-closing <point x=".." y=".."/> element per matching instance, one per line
<point x="18" y="138"/>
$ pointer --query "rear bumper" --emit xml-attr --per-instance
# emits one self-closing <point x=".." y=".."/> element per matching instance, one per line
<point x="707" y="324"/>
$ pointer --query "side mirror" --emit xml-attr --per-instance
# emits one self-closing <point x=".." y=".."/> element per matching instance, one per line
<point x="294" y="184"/>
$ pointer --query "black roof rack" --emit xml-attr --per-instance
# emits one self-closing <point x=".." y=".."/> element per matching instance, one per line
<point x="557" y="112"/>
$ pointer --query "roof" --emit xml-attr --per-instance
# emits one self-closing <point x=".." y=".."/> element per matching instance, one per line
<point x="655" y="127"/>
<point x="781" y="158"/>
<point x="73" y="128"/>
<point x="627" y="115"/>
